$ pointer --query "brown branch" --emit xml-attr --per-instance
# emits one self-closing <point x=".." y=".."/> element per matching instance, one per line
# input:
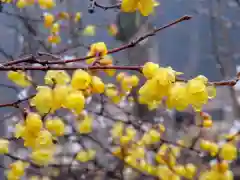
<point x="16" y="103"/>
<point x="112" y="51"/>
<point x="104" y="7"/>
<point x="129" y="45"/>
<point x="49" y="55"/>
<point x="231" y="82"/>
<point x="28" y="58"/>
<point x="46" y="68"/>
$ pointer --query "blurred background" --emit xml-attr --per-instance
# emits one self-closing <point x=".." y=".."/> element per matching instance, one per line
<point x="208" y="44"/>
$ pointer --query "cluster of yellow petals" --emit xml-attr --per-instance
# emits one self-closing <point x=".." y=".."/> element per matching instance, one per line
<point x="113" y="29"/>
<point x="125" y="83"/>
<point x="4" y="146"/>
<point x="19" y="78"/>
<point x="146" y="7"/>
<point x="6" y="1"/>
<point x="133" y="151"/>
<point x="52" y="22"/>
<point x="62" y="16"/>
<point x="16" y="170"/>
<point x="161" y="84"/>
<point x="85" y="155"/>
<point x="56" y="126"/>
<point x="77" y="17"/>
<point x="97" y="50"/>
<point x="47" y="4"/>
<point x="206" y="120"/>
<point x="89" y="30"/>
<point x="63" y="91"/>
<point x="85" y="126"/>
<point x="228" y="151"/>
<point x="39" y="137"/>
<point x="219" y="170"/>
<point x="43" y="4"/>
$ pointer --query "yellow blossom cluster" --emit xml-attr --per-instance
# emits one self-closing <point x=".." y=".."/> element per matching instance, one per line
<point x="19" y="78"/>
<point x="133" y="151"/>
<point x="112" y="29"/>
<point x="66" y="93"/>
<point x="219" y="170"/>
<point x="227" y="151"/>
<point x="125" y="83"/>
<point x="43" y="4"/>
<point x="162" y="84"/>
<point x="61" y="90"/>
<point x="145" y="7"/>
<point x="89" y="30"/>
<point x="52" y="22"/>
<point x="85" y="155"/>
<point x="133" y="148"/>
<point x="4" y="146"/>
<point x="39" y="137"/>
<point x="16" y="170"/>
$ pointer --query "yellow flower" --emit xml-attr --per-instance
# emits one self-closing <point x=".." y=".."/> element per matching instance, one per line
<point x="117" y="130"/>
<point x="228" y="152"/>
<point x="59" y="77"/>
<point x="60" y="93"/>
<point x="99" y="49"/>
<point x="84" y="156"/>
<point x="178" y="97"/>
<point x="77" y="17"/>
<point x="80" y="79"/>
<point x="43" y="100"/>
<point x="11" y="176"/>
<point x="97" y="85"/>
<point x="85" y="126"/>
<point x="111" y="90"/>
<point x="89" y="30"/>
<point x="55" y="125"/>
<point x="128" y="82"/>
<point x="46" y="4"/>
<point x="44" y="139"/>
<point x="21" y="3"/>
<point x="48" y="20"/>
<point x="6" y="1"/>
<point x="4" y="146"/>
<point x="33" y="123"/>
<point x="190" y="170"/>
<point x="146" y="7"/>
<point x="75" y="101"/>
<point x="54" y="39"/>
<point x="197" y="92"/>
<point x="42" y="156"/>
<point x="55" y="28"/>
<point x="17" y="168"/>
<point x="19" y="78"/>
<point x="63" y="16"/>
<point x="112" y="29"/>
<point x="158" y="86"/>
<point x="149" y="69"/>
<point x="29" y="140"/>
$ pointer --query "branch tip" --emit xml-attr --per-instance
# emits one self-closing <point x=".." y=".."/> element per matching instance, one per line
<point x="186" y="17"/>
